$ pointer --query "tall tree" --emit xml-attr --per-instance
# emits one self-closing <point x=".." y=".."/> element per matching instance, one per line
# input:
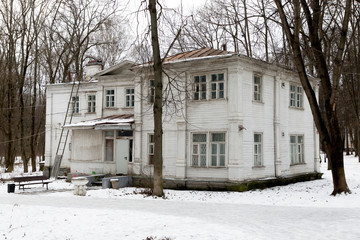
<point x="157" y="108"/>
<point x="315" y="14"/>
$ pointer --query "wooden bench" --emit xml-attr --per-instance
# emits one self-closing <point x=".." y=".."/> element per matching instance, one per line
<point x="31" y="180"/>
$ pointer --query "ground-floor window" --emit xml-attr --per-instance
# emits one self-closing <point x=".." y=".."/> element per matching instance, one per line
<point x="297" y="149"/>
<point x="208" y="150"/>
<point x="257" y="149"/>
<point x="151" y="145"/>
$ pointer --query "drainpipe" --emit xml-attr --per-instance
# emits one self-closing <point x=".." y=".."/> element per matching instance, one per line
<point x="186" y="125"/>
<point x="276" y="125"/>
<point x="102" y="101"/>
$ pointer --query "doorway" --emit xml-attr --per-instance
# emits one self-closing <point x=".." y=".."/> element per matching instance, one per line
<point x="122" y="155"/>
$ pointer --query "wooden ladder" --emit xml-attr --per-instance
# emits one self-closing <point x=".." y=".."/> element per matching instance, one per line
<point x="64" y="131"/>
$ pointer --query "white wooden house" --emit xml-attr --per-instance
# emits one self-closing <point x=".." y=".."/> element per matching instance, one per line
<point x="227" y="117"/>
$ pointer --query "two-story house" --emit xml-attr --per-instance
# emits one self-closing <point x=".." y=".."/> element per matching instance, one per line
<point x="227" y="117"/>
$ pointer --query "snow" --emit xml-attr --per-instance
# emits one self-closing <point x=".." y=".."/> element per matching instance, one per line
<point x="102" y="121"/>
<point x="297" y="211"/>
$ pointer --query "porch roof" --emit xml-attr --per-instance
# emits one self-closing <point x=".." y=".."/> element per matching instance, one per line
<point x="113" y="122"/>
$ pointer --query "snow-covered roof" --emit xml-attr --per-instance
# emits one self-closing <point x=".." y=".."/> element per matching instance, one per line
<point x="120" y="121"/>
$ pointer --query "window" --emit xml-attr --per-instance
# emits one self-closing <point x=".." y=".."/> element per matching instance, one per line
<point x="297" y="149"/>
<point x="257" y="149"/>
<point x="124" y="133"/>
<point x="110" y="98"/>
<point x="109" y="145"/>
<point x="209" y="86"/>
<point x="91" y="103"/>
<point x="75" y="104"/>
<point x="217" y="149"/>
<point x="296" y="96"/>
<point x="257" y="88"/>
<point x="151" y="146"/>
<point x="129" y="97"/>
<point x="200" y="145"/>
<point x="200" y="87"/>
<point x="217" y="86"/>
<point x="199" y="150"/>
<point x="151" y="90"/>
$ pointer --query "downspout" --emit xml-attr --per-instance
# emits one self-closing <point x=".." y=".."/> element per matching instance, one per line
<point x="186" y="126"/>
<point x="102" y="101"/>
<point x="142" y="123"/>
<point x="275" y="122"/>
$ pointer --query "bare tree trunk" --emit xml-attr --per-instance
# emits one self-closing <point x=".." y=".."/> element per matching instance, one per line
<point x="158" y="163"/>
<point x="327" y="125"/>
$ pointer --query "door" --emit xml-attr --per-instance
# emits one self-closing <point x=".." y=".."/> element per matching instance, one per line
<point x="122" y="155"/>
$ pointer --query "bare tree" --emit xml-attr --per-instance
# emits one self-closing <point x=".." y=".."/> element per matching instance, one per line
<point x="327" y="123"/>
<point x="158" y="131"/>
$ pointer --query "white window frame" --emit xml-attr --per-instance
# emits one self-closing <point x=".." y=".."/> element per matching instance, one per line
<point x="218" y="155"/>
<point x="209" y="86"/>
<point x="257" y="88"/>
<point x="129" y="97"/>
<point x="110" y="98"/>
<point x="200" y="87"/>
<point x="216" y="83"/>
<point x="151" y="148"/>
<point x="258" y="150"/>
<point x="296" y="96"/>
<point x="196" y="154"/>
<point x="297" y="155"/>
<point x="204" y="159"/>
<point x="75" y="104"/>
<point x="91" y="103"/>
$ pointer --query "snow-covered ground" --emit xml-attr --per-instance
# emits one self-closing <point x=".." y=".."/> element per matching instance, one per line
<point x="297" y="211"/>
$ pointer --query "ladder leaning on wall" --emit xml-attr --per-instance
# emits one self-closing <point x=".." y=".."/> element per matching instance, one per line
<point x="65" y="132"/>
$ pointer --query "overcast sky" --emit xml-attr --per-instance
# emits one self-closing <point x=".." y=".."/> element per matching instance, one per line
<point x="188" y="5"/>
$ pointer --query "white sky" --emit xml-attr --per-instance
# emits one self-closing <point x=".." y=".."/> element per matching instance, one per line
<point x="188" y="5"/>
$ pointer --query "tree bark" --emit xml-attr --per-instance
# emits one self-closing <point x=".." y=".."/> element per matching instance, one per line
<point x="158" y="163"/>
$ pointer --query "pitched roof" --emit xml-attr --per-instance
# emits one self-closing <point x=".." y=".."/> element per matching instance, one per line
<point x="202" y="52"/>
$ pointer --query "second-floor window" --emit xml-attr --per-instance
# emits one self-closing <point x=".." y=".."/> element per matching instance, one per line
<point x="296" y="96"/>
<point x="209" y="86"/>
<point x="91" y="103"/>
<point x="75" y="104"/>
<point x="129" y="97"/>
<point x="110" y="98"/>
<point x="200" y="87"/>
<point x="257" y="88"/>
<point x="217" y="86"/>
